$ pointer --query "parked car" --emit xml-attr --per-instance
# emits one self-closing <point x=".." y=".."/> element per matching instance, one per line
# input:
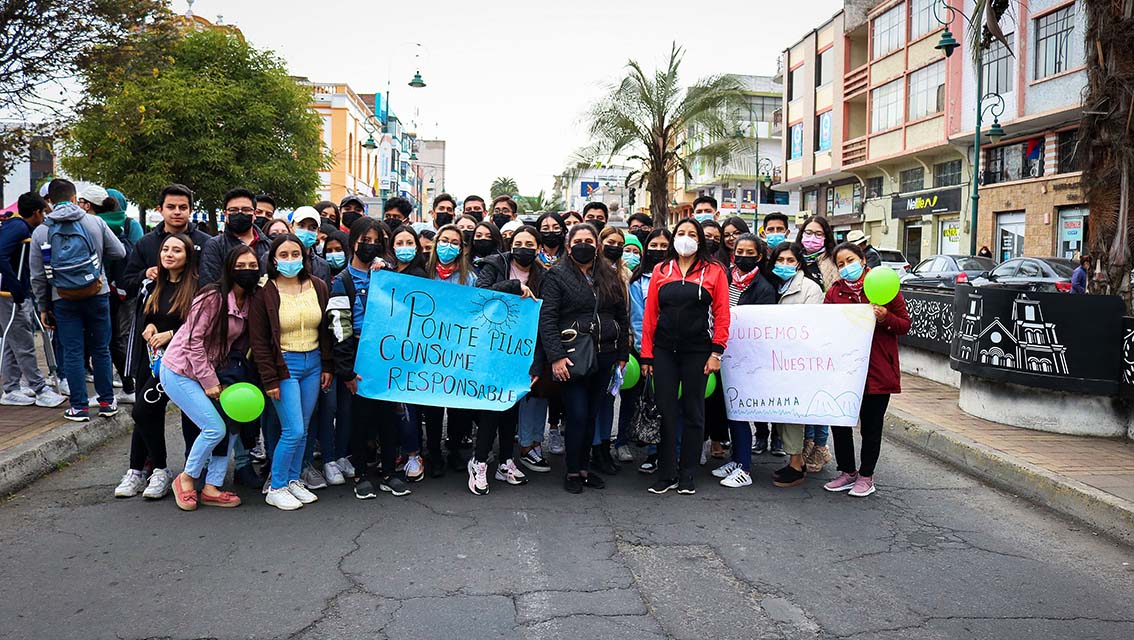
<point x="894" y="259"/>
<point x="1032" y="274"/>
<point x="946" y="271"/>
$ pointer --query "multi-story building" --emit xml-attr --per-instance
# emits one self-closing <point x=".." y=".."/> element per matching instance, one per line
<point x="28" y="173"/>
<point x="352" y="133"/>
<point x="880" y="128"/>
<point x="606" y="184"/>
<point x="431" y="159"/>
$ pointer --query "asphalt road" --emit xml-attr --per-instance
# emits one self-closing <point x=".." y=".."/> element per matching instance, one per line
<point x="934" y="554"/>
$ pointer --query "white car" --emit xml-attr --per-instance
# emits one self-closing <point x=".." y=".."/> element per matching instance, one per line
<point x="895" y="260"/>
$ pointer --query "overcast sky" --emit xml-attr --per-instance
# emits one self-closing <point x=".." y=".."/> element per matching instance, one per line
<point x="509" y="79"/>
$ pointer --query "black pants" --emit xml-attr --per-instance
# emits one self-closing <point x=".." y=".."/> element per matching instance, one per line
<point x="870" y="417"/>
<point x="716" y="417"/>
<point x="688" y="370"/>
<point x="582" y="397"/>
<point x="491" y="424"/>
<point x="148" y="412"/>
<point x="460" y="425"/>
<point x="119" y="338"/>
<point x="373" y="420"/>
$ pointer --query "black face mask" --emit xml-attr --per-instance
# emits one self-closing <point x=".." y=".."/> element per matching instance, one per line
<point x="598" y="224"/>
<point x="442" y="219"/>
<point x="330" y="221"/>
<point x="246" y="278"/>
<point x="239" y="223"/>
<point x="393" y="223"/>
<point x="654" y="256"/>
<point x="261" y="222"/>
<point x="467" y="237"/>
<point x="746" y="263"/>
<point x="712" y="245"/>
<point x="367" y="252"/>
<point x="583" y="253"/>
<point x="501" y="220"/>
<point x="483" y="248"/>
<point x="524" y="257"/>
<point x="351" y="217"/>
<point x="612" y="252"/>
<point x="641" y="235"/>
<point x="553" y="239"/>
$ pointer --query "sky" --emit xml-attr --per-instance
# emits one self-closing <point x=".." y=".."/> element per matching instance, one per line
<point x="507" y="80"/>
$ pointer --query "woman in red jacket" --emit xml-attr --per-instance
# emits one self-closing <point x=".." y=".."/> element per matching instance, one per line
<point x="883" y="377"/>
<point x="684" y="331"/>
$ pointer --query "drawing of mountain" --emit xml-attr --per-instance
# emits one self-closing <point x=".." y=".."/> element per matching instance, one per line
<point x="823" y="404"/>
<point x="849" y="402"/>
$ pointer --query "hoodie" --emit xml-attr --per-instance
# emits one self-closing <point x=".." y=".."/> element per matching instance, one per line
<point x="110" y="248"/>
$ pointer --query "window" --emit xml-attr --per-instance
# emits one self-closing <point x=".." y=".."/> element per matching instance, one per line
<point x="795" y="83"/>
<point x="1053" y="41"/>
<point x="762" y="108"/>
<point x="810" y="201"/>
<point x="797" y="141"/>
<point x="1068" y="158"/>
<point x="825" y="67"/>
<point x="1014" y="162"/>
<point x="912" y="180"/>
<point x="888" y="30"/>
<point x="922" y="20"/>
<point x="888" y="102"/>
<point x="874" y="187"/>
<point x="927" y="90"/>
<point x="823" y="131"/>
<point x="947" y="174"/>
<point x="998" y="67"/>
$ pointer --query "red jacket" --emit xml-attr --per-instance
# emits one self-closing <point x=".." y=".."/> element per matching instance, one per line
<point x="884" y="375"/>
<point x="687" y="313"/>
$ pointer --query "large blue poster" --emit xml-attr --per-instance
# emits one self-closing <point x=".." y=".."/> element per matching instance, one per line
<point x="438" y="344"/>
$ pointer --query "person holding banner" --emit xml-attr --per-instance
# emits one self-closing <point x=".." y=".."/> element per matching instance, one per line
<point x="585" y="329"/>
<point x="658" y="242"/>
<point x="883" y="376"/>
<point x="409" y="259"/>
<point x="216" y="325"/>
<point x="684" y="334"/>
<point x="818" y="243"/>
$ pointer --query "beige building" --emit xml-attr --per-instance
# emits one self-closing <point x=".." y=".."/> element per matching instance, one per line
<point x="353" y="135"/>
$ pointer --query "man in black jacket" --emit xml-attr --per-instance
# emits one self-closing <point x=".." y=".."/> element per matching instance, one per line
<point x="175" y="204"/>
<point x="239" y="205"/>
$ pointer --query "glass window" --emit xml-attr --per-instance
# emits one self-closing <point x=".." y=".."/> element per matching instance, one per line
<point x="1068" y="147"/>
<point x="1006" y="269"/>
<point x="797" y="141"/>
<point x="947" y="174"/>
<point x="1014" y="162"/>
<point x="874" y="187"/>
<point x="927" y="90"/>
<point x="1053" y="41"/>
<point x="825" y="67"/>
<point x="810" y="201"/>
<point x="1029" y="269"/>
<point x="887" y="104"/>
<point x="1072" y="231"/>
<point x="795" y="83"/>
<point x="998" y="67"/>
<point x="889" y="29"/>
<point x="823" y="131"/>
<point x="1010" y="229"/>
<point x="922" y="20"/>
<point x="762" y="108"/>
<point x="912" y="180"/>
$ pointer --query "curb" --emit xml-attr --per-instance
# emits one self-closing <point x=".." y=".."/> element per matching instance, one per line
<point x="28" y="461"/>
<point x="1108" y="513"/>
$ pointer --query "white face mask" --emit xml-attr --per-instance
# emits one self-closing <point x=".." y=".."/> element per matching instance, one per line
<point x="685" y="246"/>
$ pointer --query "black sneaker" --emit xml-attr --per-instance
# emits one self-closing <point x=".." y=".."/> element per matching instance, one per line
<point x="759" y="447"/>
<point x="650" y="465"/>
<point x="363" y="490"/>
<point x="77" y="415"/>
<point x="685" y="486"/>
<point x="604" y="463"/>
<point x="246" y="476"/>
<point x="779" y="472"/>
<point x="107" y="409"/>
<point x="593" y="482"/>
<point x="662" y="485"/>
<point x="394" y="485"/>
<point x="573" y="484"/>
<point x="778" y="449"/>
<point x="533" y="462"/>
<point x="789" y="477"/>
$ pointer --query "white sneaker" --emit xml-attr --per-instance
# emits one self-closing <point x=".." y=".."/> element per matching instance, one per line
<point x="555" y="442"/>
<point x="131" y="485"/>
<point x="332" y="474"/>
<point x="738" y="478"/>
<point x="27" y="391"/>
<point x="508" y="472"/>
<point x="121" y="397"/>
<point x="160" y="480"/>
<point x="415" y="469"/>
<point x="623" y="453"/>
<point x="478" y="477"/>
<point x="16" y="399"/>
<point x="705" y="448"/>
<point x="725" y="470"/>
<point x="282" y="499"/>
<point x="63" y="388"/>
<point x="48" y="398"/>
<point x="312" y="479"/>
<point x="346" y="467"/>
<point x="300" y="492"/>
<point x="116" y="381"/>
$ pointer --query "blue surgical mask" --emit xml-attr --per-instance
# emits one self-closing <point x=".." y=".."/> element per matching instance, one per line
<point x="405" y="254"/>
<point x="852" y="272"/>
<point x="703" y="217"/>
<point x="446" y="252"/>
<point x="774" y="239"/>
<point x="336" y="259"/>
<point x="289" y="268"/>
<point x="307" y="237"/>
<point x="784" y="271"/>
<point x="631" y="260"/>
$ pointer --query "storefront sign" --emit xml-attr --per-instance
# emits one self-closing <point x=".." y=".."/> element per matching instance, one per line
<point x="929" y="203"/>
<point x="950" y="243"/>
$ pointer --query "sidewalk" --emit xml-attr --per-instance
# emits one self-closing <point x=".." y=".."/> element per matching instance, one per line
<point x="1089" y="479"/>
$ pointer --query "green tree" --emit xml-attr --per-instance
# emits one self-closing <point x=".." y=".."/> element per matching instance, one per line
<point x="504" y="186"/>
<point x="651" y="119"/>
<point x="202" y="108"/>
<point x="540" y="203"/>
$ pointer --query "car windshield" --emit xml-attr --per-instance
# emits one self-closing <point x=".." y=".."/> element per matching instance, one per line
<point x="975" y="263"/>
<point x="889" y="255"/>
<point x="1062" y="268"/>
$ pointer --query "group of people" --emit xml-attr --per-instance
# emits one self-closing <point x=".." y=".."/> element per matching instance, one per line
<point x="280" y="301"/>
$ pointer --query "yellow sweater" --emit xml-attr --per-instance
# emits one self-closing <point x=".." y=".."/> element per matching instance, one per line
<point x="299" y="321"/>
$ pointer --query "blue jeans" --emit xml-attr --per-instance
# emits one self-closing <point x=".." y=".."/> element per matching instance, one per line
<point x="741" y="434"/>
<point x="298" y="394"/>
<point x="818" y="433"/>
<point x="188" y="395"/>
<point x="411" y="430"/>
<point x="533" y="419"/>
<point x="79" y="324"/>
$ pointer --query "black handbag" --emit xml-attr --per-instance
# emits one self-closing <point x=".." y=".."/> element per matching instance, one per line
<point x="645" y="424"/>
<point x="579" y="346"/>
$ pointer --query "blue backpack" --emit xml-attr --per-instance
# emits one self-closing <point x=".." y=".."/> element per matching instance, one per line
<point x="72" y="265"/>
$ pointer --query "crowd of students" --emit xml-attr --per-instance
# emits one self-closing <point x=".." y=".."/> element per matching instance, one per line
<point x="281" y="302"/>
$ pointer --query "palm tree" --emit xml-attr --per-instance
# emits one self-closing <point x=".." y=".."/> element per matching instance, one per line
<point x="653" y="120"/>
<point x="540" y="203"/>
<point x="504" y="186"/>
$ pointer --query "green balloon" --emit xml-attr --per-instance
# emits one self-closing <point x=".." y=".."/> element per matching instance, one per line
<point x="632" y="374"/>
<point x="243" y="402"/>
<point x="881" y="285"/>
<point x="711" y="385"/>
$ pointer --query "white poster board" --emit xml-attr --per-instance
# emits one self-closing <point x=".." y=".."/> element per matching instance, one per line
<point x="797" y="364"/>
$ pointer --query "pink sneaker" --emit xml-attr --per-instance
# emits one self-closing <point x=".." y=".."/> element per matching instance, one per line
<point x="863" y="487"/>
<point x="844" y="482"/>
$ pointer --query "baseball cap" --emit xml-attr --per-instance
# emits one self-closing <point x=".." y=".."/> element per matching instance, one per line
<point x="352" y="198"/>
<point x="512" y="226"/>
<point x="93" y="194"/>
<point x="304" y="213"/>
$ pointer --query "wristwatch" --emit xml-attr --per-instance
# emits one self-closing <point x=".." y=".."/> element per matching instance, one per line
<point x="719" y="357"/>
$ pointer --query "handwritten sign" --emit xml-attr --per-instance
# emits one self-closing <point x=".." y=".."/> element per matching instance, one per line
<point x="438" y="344"/>
<point x="797" y="365"/>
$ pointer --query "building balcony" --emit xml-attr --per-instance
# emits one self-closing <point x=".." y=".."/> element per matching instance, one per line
<point x="856" y="81"/>
<point x="854" y="151"/>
